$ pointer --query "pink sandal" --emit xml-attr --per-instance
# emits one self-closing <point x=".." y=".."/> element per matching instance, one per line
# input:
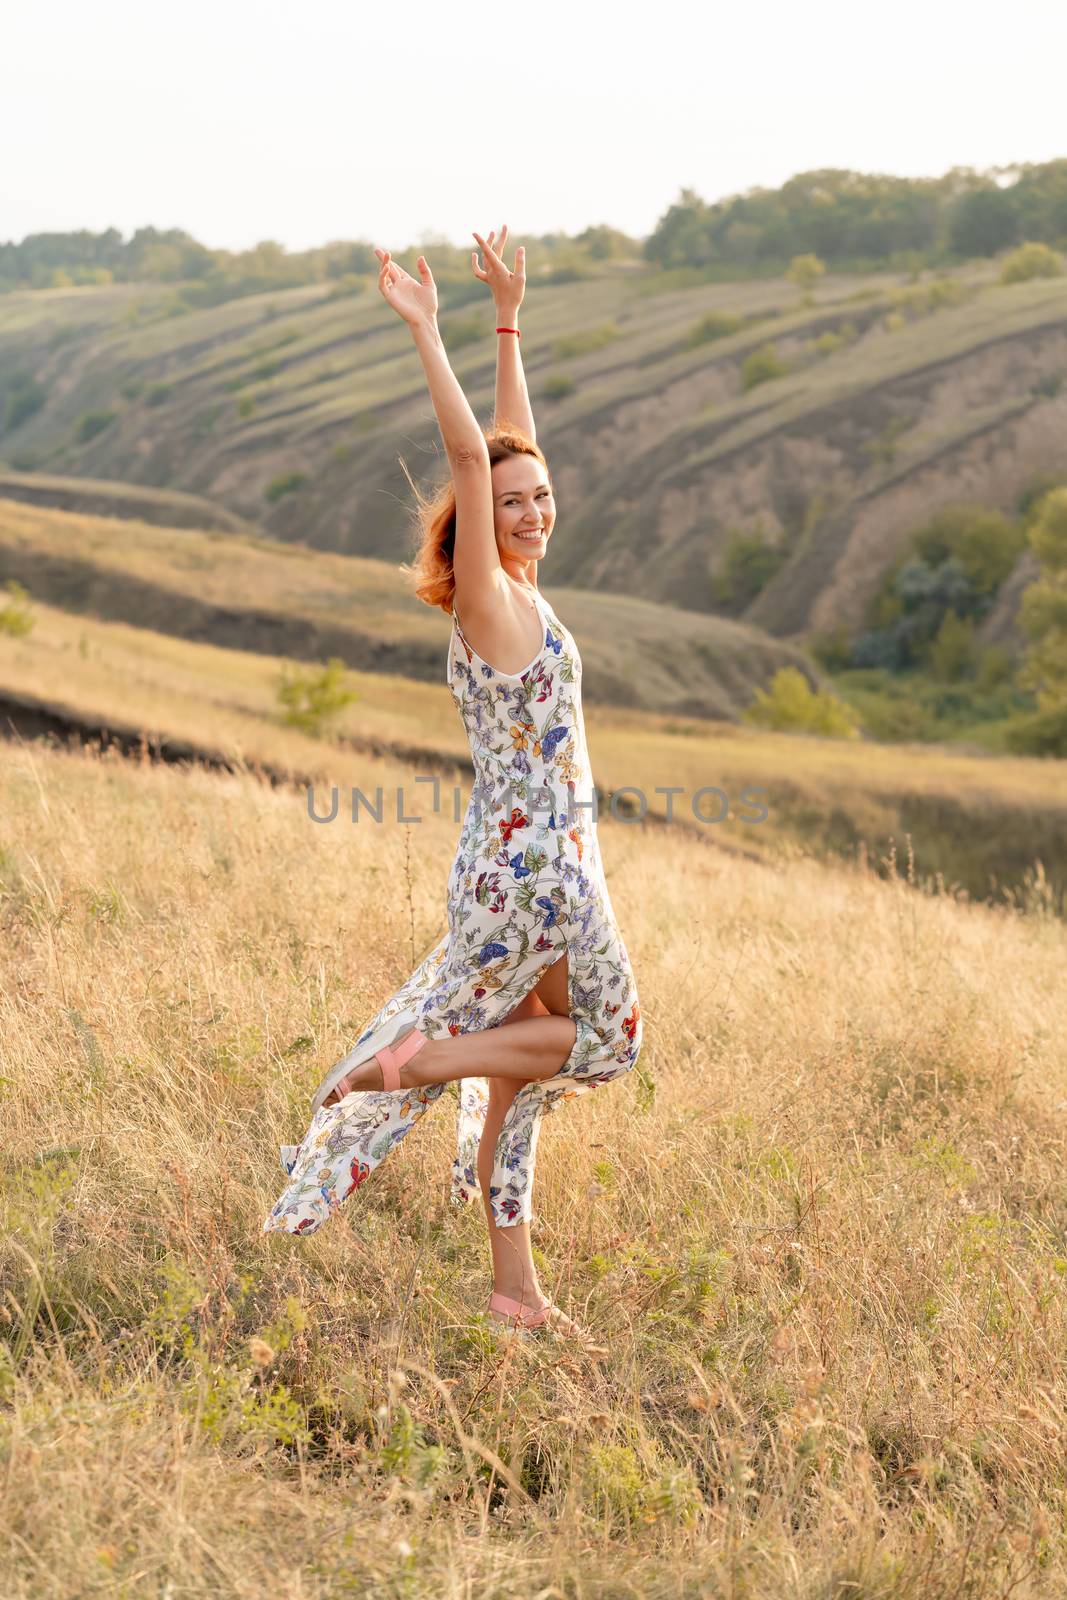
<point x="528" y="1318"/>
<point x="525" y="1316"/>
<point x="389" y="1059"/>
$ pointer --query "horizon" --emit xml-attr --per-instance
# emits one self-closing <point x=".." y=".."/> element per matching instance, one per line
<point x="1001" y="173"/>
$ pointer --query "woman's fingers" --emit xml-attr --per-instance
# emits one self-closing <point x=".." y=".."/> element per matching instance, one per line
<point x="490" y="253"/>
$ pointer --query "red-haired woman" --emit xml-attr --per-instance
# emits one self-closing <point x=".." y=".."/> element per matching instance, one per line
<point x="531" y="938"/>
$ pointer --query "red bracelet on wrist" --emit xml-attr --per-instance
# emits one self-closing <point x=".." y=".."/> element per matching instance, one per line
<point x="510" y="330"/>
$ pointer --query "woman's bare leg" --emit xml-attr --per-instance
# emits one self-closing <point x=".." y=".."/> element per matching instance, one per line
<point x="514" y="1273"/>
<point x="537" y="1047"/>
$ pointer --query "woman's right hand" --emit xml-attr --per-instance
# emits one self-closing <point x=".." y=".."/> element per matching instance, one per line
<point x="415" y="302"/>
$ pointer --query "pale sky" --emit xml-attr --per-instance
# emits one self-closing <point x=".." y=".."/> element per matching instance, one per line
<point x="394" y="123"/>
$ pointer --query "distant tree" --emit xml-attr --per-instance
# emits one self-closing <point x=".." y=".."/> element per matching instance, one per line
<point x="952" y="653"/>
<point x="558" y="385"/>
<point x="1031" y="260"/>
<point x="606" y="244"/>
<point x="805" y="271"/>
<point x="1043" y="607"/>
<point x="985" y="542"/>
<point x="984" y="221"/>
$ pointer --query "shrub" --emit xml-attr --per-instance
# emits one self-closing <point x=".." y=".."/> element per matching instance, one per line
<point x="894" y="322"/>
<point x="310" y="700"/>
<point x="831" y="649"/>
<point x="828" y="343"/>
<point x="285" y="483"/>
<point x="749" y="563"/>
<point x="158" y="393"/>
<point x="92" y="423"/>
<point x="715" y="325"/>
<point x="558" y="385"/>
<point x="580" y="344"/>
<point x="1039" y="733"/>
<point x="1031" y="260"/>
<point x="762" y="365"/>
<point x="805" y="272"/>
<point x="995" y="667"/>
<point x="952" y="653"/>
<point x="16" y="618"/>
<point x="246" y="405"/>
<point x="791" y="705"/>
<point x="25" y="396"/>
<point x="1043" y="618"/>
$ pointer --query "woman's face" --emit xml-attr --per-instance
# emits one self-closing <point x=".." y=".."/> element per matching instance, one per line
<point x="523" y="508"/>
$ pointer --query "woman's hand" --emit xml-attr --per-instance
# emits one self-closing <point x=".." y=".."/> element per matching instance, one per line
<point x="508" y="287"/>
<point x="415" y="302"/>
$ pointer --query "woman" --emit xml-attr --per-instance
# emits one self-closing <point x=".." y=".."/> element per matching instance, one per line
<point x="532" y="940"/>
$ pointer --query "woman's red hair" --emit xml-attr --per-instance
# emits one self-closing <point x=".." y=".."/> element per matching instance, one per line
<point x="431" y="572"/>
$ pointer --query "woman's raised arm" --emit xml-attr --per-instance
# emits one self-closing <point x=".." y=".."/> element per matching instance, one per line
<point x="512" y="396"/>
<point x="476" y="560"/>
<point x="416" y="303"/>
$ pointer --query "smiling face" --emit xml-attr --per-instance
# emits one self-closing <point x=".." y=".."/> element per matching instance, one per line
<point x="524" y="510"/>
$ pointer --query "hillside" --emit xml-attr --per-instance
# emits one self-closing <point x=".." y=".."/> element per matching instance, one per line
<point x="978" y="825"/>
<point x="246" y="592"/>
<point x="290" y="409"/>
<point x="819" y="1226"/>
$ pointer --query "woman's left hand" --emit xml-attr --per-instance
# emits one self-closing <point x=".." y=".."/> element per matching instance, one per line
<point x="508" y="287"/>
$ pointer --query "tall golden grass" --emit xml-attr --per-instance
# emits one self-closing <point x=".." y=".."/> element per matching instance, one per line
<point x="820" y="1227"/>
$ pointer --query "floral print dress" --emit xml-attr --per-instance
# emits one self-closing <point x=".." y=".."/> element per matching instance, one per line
<point x="526" y="887"/>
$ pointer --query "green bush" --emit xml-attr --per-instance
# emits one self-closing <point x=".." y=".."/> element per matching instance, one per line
<point x="792" y="706"/>
<point x="158" y="393"/>
<point x="92" y="423"/>
<point x="285" y="483"/>
<point x="831" y="649"/>
<point x="1031" y="260"/>
<point x="805" y="271"/>
<point x="580" y="344"/>
<point x="748" y="564"/>
<point x="828" y="343"/>
<point x="715" y="325"/>
<point x="246" y="405"/>
<point x="1043" y="618"/>
<point x="558" y="386"/>
<point x="25" y="397"/>
<point x="761" y="366"/>
<point x="995" y="667"/>
<point x="16" y="618"/>
<point x="1038" y="733"/>
<point x="952" y="653"/>
<point x="311" y="699"/>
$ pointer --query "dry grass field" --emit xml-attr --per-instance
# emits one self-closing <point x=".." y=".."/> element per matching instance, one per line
<point x="820" y="1227"/>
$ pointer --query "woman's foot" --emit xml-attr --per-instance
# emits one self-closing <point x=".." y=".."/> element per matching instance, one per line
<point x="369" y="1075"/>
<point x="530" y="1312"/>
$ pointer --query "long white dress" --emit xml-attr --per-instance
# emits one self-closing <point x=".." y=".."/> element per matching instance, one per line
<point x="526" y="886"/>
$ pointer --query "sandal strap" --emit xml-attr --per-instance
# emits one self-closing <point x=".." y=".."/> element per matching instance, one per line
<point x="515" y="1308"/>
<point x="391" y="1060"/>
